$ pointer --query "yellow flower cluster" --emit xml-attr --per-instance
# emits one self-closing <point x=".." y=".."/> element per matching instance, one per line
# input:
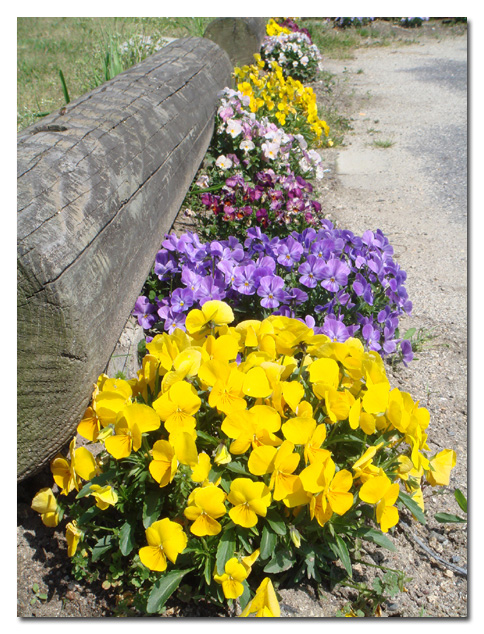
<point x="274" y="29"/>
<point x="276" y="398"/>
<point x="286" y="101"/>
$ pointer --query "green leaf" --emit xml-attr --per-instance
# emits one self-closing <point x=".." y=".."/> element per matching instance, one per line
<point x="372" y="535"/>
<point x="88" y="515"/>
<point x="64" y="87"/>
<point x="209" y="439"/>
<point x="280" y="561"/>
<point x="245" y="596"/>
<point x="126" y="538"/>
<point x="163" y="589"/>
<point x="267" y="543"/>
<point x="101" y="546"/>
<point x="461" y="499"/>
<point x="35" y="588"/>
<point x="208" y="570"/>
<point x="412" y="506"/>
<point x="152" y="504"/>
<point x="444" y="518"/>
<point x="343" y="554"/>
<point x="236" y="467"/>
<point x="409" y="333"/>
<point x="100" y="479"/>
<point x="276" y="522"/>
<point x="225" y="550"/>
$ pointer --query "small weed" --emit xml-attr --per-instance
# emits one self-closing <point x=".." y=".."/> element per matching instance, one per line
<point x="372" y="131"/>
<point x="360" y="71"/>
<point x="38" y="596"/>
<point x="370" y="599"/>
<point x="383" y="143"/>
<point x="419" y="338"/>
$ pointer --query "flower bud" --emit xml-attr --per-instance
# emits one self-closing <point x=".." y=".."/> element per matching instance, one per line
<point x="295" y="536"/>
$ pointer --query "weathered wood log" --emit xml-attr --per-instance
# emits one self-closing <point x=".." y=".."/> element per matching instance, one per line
<point x="98" y="187"/>
<point x="239" y="37"/>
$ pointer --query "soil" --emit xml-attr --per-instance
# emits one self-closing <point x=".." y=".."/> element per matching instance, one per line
<point x="414" y="189"/>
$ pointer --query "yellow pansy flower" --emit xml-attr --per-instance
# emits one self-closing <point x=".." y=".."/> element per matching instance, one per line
<point x="177" y="406"/>
<point x="264" y="603"/>
<point x="440" y="467"/>
<point x="227" y="394"/>
<point x="45" y="503"/>
<point x="250" y="499"/>
<point x="253" y="427"/>
<point x="380" y="491"/>
<point x="132" y="421"/>
<point x="166" y="540"/>
<point x="363" y="468"/>
<point x="231" y="580"/>
<point x="280" y="463"/>
<point x="212" y="313"/>
<point x="164" y="464"/>
<point x="105" y="496"/>
<point x="73" y="536"/>
<point x="201" y="470"/>
<point x="205" y="506"/>
<point x="68" y="473"/>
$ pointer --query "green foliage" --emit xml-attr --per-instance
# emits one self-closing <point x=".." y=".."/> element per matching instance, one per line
<point x="451" y="518"/>
<point x="38" y="595"/>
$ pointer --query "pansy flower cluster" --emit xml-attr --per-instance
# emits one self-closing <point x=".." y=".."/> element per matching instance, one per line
<point x="256" y="142"/>
<point x="291" y="25"/>
<point x="344" y="22"/>
<point x="256" y="448"/>
<point x="350" y="284"/>
<point x="284" y="100"/>
<point x="282" y="202"/>
<point x="294" y="52"/>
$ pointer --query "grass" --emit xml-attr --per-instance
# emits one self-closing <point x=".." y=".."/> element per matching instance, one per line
<point x="383" y="143"/>
<point x="78" y="47"/>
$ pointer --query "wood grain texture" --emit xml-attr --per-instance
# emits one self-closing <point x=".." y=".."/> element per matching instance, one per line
<point x="239" y="37"/>
<point x="97" y="189"/>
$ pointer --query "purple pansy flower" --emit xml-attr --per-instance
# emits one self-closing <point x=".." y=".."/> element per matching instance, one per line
<point x="181" y="300"/>
<point x="271" y="291"/>
<point x="335" y="329"/>
<point x="311" y="271"/>
<point x="335" y="274"/>
<point x="145" y="312"/>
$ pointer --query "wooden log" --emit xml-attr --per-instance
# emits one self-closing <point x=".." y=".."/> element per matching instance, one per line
<point x="239" y="37"/>
<point x="98" y="187"/>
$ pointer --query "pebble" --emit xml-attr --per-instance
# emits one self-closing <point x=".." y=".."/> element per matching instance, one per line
<point x="455" y="558"/>
<point x="448" y="573"/>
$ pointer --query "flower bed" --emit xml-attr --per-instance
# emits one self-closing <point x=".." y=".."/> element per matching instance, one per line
<point x="275" y="449"/>
<point x="261" y="438"/>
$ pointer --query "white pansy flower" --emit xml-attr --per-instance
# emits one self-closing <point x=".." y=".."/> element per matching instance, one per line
<point x="234" y="128"/>
<point x="270" y="150"/>
<point x="247" y="145"/>
<point x="223" y="162"/>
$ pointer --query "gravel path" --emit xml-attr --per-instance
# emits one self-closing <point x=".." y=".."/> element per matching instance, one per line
<point x="416" y="192"/>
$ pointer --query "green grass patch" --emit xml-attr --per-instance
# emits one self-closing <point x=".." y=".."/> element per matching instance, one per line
<point x="383" y="143"/>
<point x="82" y="49"/>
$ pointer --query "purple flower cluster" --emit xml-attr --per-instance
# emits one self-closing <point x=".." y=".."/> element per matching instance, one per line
<point x="351" y="284"/>
<point x="271" y="198"/>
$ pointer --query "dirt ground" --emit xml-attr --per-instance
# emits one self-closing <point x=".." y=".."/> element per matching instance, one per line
<point x="412" y="185"/>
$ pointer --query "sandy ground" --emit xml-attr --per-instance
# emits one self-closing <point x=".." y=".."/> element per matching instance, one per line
<point x="415" y="190"/>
